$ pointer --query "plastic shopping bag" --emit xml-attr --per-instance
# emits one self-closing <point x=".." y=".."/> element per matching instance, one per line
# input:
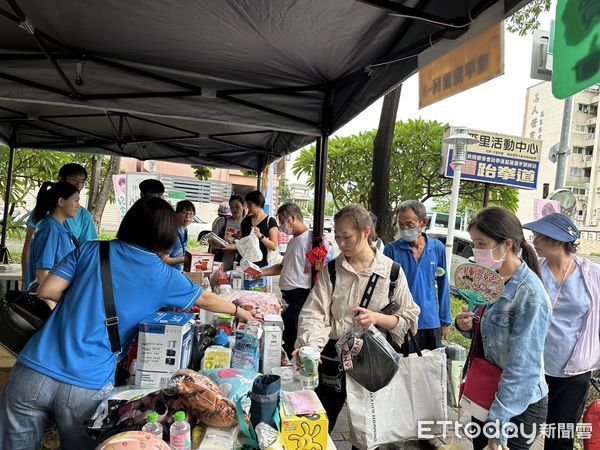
<point x="249" y="248"/>
<point x="368" y="357"/>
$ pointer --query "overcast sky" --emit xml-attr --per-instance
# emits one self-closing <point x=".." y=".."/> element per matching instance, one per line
<point x="497" y="105"/>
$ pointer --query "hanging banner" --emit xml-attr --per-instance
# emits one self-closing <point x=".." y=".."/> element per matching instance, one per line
<point x="120" y="187"/>
<point x="543" y="207"/>
<point x="497" y="159"/>
<point x="469" y="64"/>
<point x="133" y="185"/>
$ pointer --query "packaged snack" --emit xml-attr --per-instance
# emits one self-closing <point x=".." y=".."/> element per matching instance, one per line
<point x="202" y="395"/>
<point x="259" y="303"/>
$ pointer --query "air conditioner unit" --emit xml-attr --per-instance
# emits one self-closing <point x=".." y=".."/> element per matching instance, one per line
<point x="581" y="197"/>
<point x="587" y="158"/>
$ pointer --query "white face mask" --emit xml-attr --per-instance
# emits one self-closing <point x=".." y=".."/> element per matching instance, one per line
<point x="410" y="235"/>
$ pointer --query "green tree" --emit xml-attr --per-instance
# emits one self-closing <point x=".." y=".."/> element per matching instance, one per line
<point x="203" y="173"/>
<point x="285" y="193"/>
<point x="32" y="167"/>
<point x="414" y="169"/>
<point x="526" y="19"/>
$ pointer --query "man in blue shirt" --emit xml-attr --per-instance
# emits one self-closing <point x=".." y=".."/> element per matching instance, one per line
<point x="423" y="260"/>
<point x="82" y="226"/>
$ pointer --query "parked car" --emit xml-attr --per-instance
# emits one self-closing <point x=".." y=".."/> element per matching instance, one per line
<point x="328" y="224"/>
<point x="199" y="228"/>
<point x="462" y="250"/>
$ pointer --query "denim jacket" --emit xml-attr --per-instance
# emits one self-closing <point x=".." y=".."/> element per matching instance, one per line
<point x="513" y="331"/>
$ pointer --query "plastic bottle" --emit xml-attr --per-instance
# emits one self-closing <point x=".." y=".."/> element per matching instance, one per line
<point x="153" y="426"/>
<point x="181" y="437"/>
<point x="222" y="339"/>
<point x="205" y="285"/>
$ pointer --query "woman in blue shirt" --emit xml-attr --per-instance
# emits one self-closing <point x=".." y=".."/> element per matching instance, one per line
<point x="185" y="211"/>
<point x="63" y="367"/>
<point x="56" y="202"/>
<point x="511" y="334"/>
<point x="572" y="350"/>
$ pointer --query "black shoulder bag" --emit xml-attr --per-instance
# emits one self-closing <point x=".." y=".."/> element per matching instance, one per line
<point x="22" y="314"/>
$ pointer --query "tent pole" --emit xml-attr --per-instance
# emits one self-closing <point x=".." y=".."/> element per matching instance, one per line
<point x="4" y="253"/>
<point x="258" y="180"/>
<point x="320" y="183"/>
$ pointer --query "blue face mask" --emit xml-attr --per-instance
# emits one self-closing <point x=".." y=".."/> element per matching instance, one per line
<point x="410" y="235"/>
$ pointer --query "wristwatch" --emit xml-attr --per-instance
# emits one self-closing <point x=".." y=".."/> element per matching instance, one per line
<point x="261" y="237"/>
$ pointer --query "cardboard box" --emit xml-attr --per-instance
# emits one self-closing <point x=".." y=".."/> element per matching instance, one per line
<point x="165" y="342"/>
<point x="199" y="262"/>
<point x="273" y="320"/>
<point x="300" y="431"/>
<point x="150" y="379"/>
<point x="270" y="353"/>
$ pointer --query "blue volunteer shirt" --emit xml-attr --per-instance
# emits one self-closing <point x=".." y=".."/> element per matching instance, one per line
<point x="51" y="243"/>
<point x="428" y="286"/>
<point x="73" y="346"/>
<point x="82" y="226"/>
<point x="180" y="246"/>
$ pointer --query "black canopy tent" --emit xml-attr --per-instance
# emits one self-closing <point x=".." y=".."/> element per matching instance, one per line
<point x="220" y="83"/>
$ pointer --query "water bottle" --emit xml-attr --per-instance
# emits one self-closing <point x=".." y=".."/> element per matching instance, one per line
<point x="309" y="367"/>
<point x="153" y="426"/>
<point x="181" y="438"/>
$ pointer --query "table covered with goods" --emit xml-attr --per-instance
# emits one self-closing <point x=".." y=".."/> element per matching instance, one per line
<point x="200" y="380"/>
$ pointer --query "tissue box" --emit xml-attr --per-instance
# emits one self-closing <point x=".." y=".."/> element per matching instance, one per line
<point x="165" y="342"/>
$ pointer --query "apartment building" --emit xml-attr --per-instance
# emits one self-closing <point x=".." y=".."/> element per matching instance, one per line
<point x="543" y="120"/>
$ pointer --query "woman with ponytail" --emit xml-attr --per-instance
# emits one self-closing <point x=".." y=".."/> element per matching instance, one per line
<point x="56" y="202"/>
<point x="511" y="332"/>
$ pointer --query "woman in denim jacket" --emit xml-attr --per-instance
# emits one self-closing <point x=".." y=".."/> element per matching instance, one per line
<point x="572" y="348"/>
<point x="512" y="331"/>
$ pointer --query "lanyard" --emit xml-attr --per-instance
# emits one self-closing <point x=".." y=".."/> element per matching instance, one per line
<point x="561" y="282"/>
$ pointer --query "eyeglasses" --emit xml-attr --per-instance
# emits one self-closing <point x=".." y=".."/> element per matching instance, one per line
<point x="539" y="237"/>
<point x="408" y="226"/>
<point x="187" y="213"/>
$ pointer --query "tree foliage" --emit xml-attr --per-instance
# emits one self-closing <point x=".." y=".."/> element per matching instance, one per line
<point x="203" y="173"/>
<point x="526" y="19"/>
<point x="414" y="169"/>
<point x="284" y="192"/>
<point x="32" y="167"/>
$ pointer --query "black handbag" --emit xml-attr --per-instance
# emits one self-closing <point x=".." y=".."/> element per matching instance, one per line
<point x="369" y="358"/>
<point x="22" y="314"/>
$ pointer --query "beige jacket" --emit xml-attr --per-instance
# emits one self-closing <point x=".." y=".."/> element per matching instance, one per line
<point x="328" y="315"/>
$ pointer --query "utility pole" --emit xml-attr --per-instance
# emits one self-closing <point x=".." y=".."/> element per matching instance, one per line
<point x="563" y="146"/>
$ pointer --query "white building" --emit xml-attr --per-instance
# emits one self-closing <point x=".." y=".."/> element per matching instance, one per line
<point x="543" y="120"/>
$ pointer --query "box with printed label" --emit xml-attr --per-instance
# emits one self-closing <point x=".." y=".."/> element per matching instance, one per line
<point x="165" y="342"/>
<point x="198" y="262"/>
<point x="301" y="431"/>
<point x="150" y="379"/>
<point x="273" y="320"/>
<point x="270" y="348"/>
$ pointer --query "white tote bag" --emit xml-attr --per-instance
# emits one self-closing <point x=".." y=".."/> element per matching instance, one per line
<point x="393" y="413"/>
